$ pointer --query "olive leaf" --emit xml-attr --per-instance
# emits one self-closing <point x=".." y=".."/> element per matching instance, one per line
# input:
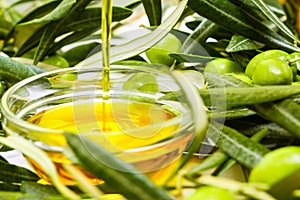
<point x="272" y="5"/>
<point x="129" y="182"/>
<point x="236" y="145"/>
<point x="15" y="174"/>
<point x="224" y="13"/>
<point x="272" y="17"/>
<point x="240" y="43"/>
<point x="203" y="31"/>
<point x="285" y="113"/>
<point x="39" y="156"/>
<point x="59" y="12"/>
<point x="27" y="36"/>
<point x="240" y="96"/>
<point x="199" y="117"/>
<point x="13" y="71"/>
<point x="181" y="57"/>
<point x="5" y="27"/>
<point x="85" y="22"/>
<point x="153" y="10"/>
<point x="38" y="190"/>
<point x="140" y="44"/>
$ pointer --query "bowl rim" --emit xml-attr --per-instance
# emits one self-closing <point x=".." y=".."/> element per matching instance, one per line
<point x="10" y="116"/>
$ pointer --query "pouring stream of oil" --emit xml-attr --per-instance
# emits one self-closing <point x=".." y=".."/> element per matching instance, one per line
<point x="106" y="36"/>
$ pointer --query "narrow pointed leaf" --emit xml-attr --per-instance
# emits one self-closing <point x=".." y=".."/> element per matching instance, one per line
<point x="272" y="17"/>
<point x="54" y="27"/>
<point x="15" y="174"/>
<point x="274" y="6"/>
<point x="240" y="43"/>
<point x="13" y="71"/>
<point x="140" y="44"/>
<point x="59" y="12"/>
<point x="84" y="22"/>
<point x="199" y="117"/>
<point x="285" y="113"/>
<point x="39" y="156"/>
<point x="203" y="31"/>
<point x="74" y="37"/>
<point x="118" y="174"/>
<point x="236" y="145"/>
<point x="181" y="57"/>
<point x="240" y="96"/>
<point x="153" y="10"/>
<point x="91" y="18"/>
<point x="225" y="13"/>
<point x="39" y="11"/>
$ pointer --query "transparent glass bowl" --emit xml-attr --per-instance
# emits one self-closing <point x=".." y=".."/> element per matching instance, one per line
<point x="148" y="132"/>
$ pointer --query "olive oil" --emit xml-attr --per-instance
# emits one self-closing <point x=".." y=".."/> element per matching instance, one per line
<point x="117" y="125"/>
<point x="106" y="37"/>
<point x="128" y="124"/>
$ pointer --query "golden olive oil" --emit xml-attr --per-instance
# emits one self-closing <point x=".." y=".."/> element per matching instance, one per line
<point x="106" y="37"/>
<point x="130" y="124"/>
<point x="106" y="20"/>
<point x="116" y="125"/>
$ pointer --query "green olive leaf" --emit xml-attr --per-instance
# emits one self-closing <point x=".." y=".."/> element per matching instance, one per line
<point x="59" y="12"/>
<point x="140" y="44"/>
<point x="153" y="10"/>
<point x="285" y="113"/>
<point x="39" y="156"/>
<point x="272" y="17"/>
<point x="38" y="190"/>
<point x="236" y="145"/>
<point x="191" y="58"/>
<point x="233" y="17"/>
<point x="203" y="31"/>
<point x="274" y="6"/>
<point x="241" y="43"/>
<point x="13" y="71"/>
<point x="131" y="183"/>
<point x="199" y="117"/>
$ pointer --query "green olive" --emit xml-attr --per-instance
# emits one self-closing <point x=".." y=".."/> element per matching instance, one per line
<point x="272" y="72"/>
<point x="211" y="193"/>
<point x="222" y="66"/>
<point x="143" y="82"/>
<point x="57" y="61"/>
<point x="159" y="53"/>
<point x="280" y="170"/>
<point x="270" y="54"/>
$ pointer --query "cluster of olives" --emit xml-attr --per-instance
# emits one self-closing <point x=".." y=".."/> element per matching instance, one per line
<point x="271" y="67"/>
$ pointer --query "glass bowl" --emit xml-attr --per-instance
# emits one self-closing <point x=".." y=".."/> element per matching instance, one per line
<point x="133" y="123"/>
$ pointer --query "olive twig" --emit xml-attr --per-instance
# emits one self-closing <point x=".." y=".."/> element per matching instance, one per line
<point x="291" y="61"/>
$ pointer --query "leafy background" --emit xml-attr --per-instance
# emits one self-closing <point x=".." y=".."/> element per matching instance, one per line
<point x="33" y="31"/>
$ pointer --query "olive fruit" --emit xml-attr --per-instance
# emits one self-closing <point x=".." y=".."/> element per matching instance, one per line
<point x="270" y="54"/>
<point x="211" y="193"/>
<point x="159" y="53"/>
<point x="272" y="72"/>
<point x="280" y="170"/>
<point x="57" y="61"/>
<point x="222" y="66"/>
